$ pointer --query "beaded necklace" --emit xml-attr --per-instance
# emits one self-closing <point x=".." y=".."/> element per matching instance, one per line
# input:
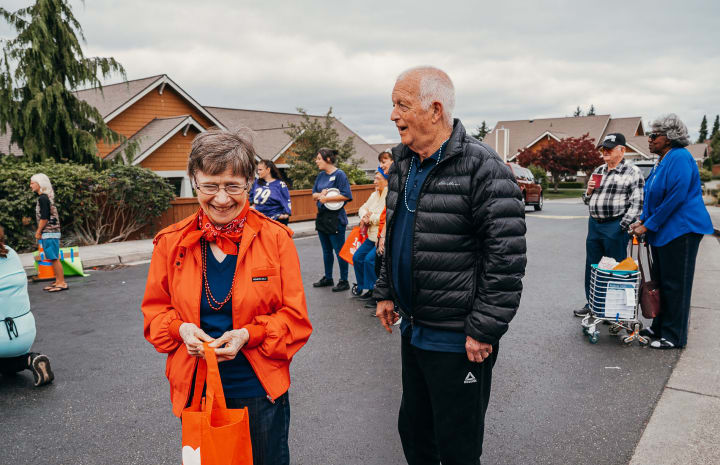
<point x="210" y="298"/>
<point x="412" y="159"/>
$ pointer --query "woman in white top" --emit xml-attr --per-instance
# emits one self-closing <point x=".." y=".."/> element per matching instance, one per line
<point x="364" y="257"/>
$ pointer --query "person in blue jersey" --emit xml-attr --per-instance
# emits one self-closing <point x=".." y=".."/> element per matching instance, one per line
<point x="270" y="195"/>
<point x="17" y="333"/>
<point x="673" y="220"/>
<point x="331" y="224"/>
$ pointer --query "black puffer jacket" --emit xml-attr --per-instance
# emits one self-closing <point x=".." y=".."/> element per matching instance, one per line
<point x="469" y="243"/>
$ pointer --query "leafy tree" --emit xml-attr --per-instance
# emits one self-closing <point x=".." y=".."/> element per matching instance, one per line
<point x="578" y="112"/>
<point x="39" y="68"/>
<point x="716" y="127"/>
<point x="703" y="132"/>
<point x="591" y="111"/>
<point x="564" y="157"/>
<point x="312" y="134"/>
<point x="481" y="131"/>
<point x="714" y="149"/>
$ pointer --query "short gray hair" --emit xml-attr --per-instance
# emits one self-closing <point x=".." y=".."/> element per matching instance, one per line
<point x="673" y="128"/>
<point x="435" y="86"/>
<point x="215" y="151"/>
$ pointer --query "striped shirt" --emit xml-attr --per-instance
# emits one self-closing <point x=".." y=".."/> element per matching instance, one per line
<point x="620" y="193"/>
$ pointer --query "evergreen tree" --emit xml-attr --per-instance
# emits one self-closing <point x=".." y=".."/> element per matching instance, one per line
<point x="312" y="134"/>
<point x="716" y="127"/>
<point x="578" y="112"/>
<point x="591" y="111"/>
<point x="39" y="68"/>
<point x="481" y="131"/>
<point x="702" y="133"/>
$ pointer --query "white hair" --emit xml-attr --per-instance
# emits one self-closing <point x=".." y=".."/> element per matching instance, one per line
<point x="435" y="86"/>
<point x="674" y="129"/>
<point x="45" y="186"/>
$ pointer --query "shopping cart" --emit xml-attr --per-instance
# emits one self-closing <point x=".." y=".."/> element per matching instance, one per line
<point x="614" y="299"/>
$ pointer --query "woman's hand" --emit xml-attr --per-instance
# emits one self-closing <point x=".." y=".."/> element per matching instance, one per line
<point x="38" y="235"/>
<point x="229" y="344"/>
<point x="638" y="229"/>
<point x="193" y="337"/>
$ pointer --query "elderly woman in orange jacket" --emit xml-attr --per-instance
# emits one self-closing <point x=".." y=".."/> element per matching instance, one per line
<point x="230" y="276"/>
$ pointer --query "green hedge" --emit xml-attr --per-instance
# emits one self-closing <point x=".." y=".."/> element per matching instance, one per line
<point x="705" y="175"/>
<point x="571" y="185"/>
<point x="94" y="206"/>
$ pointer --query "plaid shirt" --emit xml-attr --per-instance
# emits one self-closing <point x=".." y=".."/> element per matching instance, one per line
<point x="619" y="194"/>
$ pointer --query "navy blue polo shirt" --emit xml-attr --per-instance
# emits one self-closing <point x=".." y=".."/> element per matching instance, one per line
<point x="402" y="239"/>
<point x="238" y="378"/>
<point x="338" y="179"/>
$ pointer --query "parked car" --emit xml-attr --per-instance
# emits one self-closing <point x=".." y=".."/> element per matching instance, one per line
<point x="645" y="166"/>
<point x="530" y="187"/>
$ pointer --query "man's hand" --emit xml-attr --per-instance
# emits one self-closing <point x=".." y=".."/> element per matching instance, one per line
<point x="232" y="341"/>
<point x="193" y="337"/>
<point x="590" y="187"/>
<point x="386" y="312"/>
<point x="381" y="245"/>
<point x="477" y="351"/>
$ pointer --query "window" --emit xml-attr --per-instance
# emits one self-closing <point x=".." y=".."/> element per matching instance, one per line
<point x="176" y="183"/>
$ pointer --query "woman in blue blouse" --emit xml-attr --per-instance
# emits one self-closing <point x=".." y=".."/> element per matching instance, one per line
<point x="674" y="219"/>
<point x="331" y="224"/>
<point x="270" y="195"/>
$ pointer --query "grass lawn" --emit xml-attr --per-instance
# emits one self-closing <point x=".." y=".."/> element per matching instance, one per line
<point x="563" y="194"/>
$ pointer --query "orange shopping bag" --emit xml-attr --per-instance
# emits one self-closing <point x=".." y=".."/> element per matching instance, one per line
<point x="353" y="242"/>
<point x="212" y="434"/>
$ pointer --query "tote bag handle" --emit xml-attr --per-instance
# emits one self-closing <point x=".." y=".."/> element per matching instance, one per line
<point x="214" y="391"/>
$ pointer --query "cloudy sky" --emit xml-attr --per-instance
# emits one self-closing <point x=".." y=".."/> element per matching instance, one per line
<point x="509" y="60"/>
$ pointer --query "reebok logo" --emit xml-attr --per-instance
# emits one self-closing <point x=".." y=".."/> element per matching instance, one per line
<point x="470" y="378"/>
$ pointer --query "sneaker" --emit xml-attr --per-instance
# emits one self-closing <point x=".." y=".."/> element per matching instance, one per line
<point x="662" y="344"/>
<point x="342" y="285"/>
<point x="647" y="332"/>
<point x="40" y="367"/>
<point x="582" y="312"/>
<point x="367" y="295"/>
<point x="397" y="323"/>
<point x="371" y="304"/>
<point x="324" y="282"/>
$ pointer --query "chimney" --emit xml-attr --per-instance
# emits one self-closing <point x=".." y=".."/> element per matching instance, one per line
<point x="502" y="142"/>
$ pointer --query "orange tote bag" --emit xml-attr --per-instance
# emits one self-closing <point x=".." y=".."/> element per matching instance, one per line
<point x="353" y="242"/>
<point x="212" y="434"/>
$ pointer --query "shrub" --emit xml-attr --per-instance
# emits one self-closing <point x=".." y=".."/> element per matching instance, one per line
<point x="540" y="174"/>
<point x="571" y="185"/>
<point x="94" y="206"/>
<point x="705" y="175"/>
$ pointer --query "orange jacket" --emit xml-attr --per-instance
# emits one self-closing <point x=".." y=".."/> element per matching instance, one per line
<point x="272" y="309"/>
<point x="381" y="224"/>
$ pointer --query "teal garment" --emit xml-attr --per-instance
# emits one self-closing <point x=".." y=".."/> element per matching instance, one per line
<point x="17" y="324"/>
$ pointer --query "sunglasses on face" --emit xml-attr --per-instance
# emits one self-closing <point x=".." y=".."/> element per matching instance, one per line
<point x="654" y="135"/>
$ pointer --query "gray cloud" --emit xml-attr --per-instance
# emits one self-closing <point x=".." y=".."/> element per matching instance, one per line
<point x="509" y="60"/>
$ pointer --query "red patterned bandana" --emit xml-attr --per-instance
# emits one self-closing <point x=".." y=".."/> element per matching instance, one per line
<point x="227" y="236"/>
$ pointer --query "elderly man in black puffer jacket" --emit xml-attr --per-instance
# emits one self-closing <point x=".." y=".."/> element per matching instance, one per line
<point x="454" y="261"/>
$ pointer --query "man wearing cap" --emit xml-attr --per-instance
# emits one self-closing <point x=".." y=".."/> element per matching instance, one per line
<point x="615" y="197"/>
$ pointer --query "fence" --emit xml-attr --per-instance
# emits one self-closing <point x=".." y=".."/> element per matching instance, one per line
<point x="303" y="207"/>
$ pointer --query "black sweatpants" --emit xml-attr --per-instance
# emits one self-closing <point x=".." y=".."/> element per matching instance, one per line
<point x="674" y="268"/>
<point x="442" y="412"/>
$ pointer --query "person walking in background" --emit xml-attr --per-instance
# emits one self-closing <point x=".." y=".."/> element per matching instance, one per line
<point x="48" y="228"/>
<point x="270" y="195"/>
<point x="17" y="333"/>
<point x="673" y="220"/>
<point x="229" y="276"/>
<point x="453" y="264"/>
<point x="331" y="223"/>
<point x="615" y="197"/>
<point x="364" y="256"/>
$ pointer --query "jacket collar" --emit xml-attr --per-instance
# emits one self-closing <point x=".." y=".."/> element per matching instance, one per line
<point x="253" y="224"/>
<point x="454" y="144"/>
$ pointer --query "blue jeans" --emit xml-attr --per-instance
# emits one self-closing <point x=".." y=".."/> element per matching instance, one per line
<point x="603" y="240"/>
<point x="364" y="264"/>
<point x="269" y="428"/>
<point x="330" y="243"/>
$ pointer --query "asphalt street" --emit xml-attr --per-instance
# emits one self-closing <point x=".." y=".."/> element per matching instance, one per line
<point x="556" y="399"/>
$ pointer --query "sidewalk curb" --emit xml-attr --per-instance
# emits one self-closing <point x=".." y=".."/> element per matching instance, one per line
<point x="134" y="256"/>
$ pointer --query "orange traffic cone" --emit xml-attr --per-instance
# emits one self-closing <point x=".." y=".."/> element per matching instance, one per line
<point x="44" y="266"/>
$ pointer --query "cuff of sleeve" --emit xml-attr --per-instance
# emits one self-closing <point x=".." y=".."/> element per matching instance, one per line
<point x="257" y="334"/>
<point x="174" y="329"/>
<point x="650" y="224"/>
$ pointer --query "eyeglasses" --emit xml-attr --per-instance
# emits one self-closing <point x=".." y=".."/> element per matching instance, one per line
<point x="654" y="135"/>
<point x="230" y="189"/>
